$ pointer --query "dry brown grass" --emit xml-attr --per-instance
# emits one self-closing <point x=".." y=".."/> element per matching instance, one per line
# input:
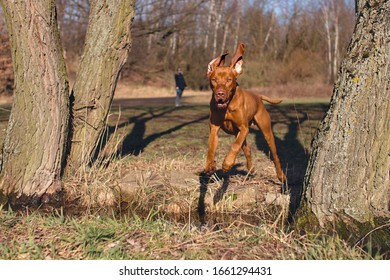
<point x="171" y="188"/>
<point x="151" y="213"/>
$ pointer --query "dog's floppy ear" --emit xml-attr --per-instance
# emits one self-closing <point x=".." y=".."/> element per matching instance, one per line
<point x="237" y="60"/>
<point x="216" y="62"/>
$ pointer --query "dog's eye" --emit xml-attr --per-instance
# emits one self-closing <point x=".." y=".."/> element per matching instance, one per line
<point x="214" y="80"/>
<point x="229" y="80"/>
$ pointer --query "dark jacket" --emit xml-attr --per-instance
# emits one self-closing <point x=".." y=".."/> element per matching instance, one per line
<point x="180" y="82"/>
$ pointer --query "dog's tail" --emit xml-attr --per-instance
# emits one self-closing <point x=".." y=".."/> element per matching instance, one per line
<point x="270" y="100"/>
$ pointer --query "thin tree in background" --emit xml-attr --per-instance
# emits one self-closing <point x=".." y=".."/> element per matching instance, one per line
<point x="331" y="14"/>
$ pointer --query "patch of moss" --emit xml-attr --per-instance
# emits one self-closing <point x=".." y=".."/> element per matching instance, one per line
<point x="306" y="221"/>
<point x="3" y="199"/>
<point x="373" y="236"/>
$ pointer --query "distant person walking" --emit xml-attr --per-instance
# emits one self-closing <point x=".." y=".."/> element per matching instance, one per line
<point x="180" y="86"/>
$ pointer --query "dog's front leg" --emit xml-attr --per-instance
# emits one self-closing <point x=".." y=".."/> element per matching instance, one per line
<point x="231" y="156"/>
<point x="212" y="147"/>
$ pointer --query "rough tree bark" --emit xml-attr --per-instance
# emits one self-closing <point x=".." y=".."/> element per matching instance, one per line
<point x="106" y="49"/>
<point x="347" y="179"/>
<point x="34" y="147"/>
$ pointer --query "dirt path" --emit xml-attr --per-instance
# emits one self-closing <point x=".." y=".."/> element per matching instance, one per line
<point x="156" y="101"/>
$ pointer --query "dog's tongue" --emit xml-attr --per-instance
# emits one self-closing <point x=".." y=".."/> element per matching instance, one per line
<point x="221" y="104"/>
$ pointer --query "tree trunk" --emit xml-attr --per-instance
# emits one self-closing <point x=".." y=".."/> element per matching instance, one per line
<point x="225" y="33"/>
<point x="238" y="22"/>
<point x="336" y="39"/>
<point x="329" y="43"/>
<point x="348" y="174"/>
<point x="269" y="31"/>
<point x="34" y="146"/>
<point x="175" y="35"/>
<point x="217" y="16"/>
<point x="208" y="25"/>
<point x="106" y="49"/>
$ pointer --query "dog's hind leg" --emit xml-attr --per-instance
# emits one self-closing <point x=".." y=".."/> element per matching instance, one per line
<point x="247" y="152"/>
<point x="263" y="121"/>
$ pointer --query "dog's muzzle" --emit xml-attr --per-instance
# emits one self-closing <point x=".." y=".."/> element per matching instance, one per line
<point x="221" y="99"/>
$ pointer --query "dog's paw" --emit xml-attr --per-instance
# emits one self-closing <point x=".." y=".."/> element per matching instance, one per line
<point x="210" y="168"/>
<point x="282" y="178"/>
<point x="226" y="167"/>
<point x="250" y="168"/>
<point x="227" y="164"/>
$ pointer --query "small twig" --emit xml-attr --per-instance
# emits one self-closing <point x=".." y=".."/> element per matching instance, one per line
<point x="370" y="232"/>
<point x="5" y="110"/>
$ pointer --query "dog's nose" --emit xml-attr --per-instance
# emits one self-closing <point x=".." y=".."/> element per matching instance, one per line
<point x="220" y="93"/>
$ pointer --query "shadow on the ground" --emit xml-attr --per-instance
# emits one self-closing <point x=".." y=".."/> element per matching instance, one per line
<point x="204" y="181"/>
<point x="135" y="142"/>
<point x="293" y="154"/>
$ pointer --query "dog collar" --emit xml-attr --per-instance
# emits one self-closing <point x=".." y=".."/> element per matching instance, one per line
<point x="234" y="90"/>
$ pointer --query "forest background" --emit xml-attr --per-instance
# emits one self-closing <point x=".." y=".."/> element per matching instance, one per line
<point x="292" y="46"/>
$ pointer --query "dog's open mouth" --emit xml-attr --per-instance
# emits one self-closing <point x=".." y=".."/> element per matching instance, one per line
<point x="222" y="104"/>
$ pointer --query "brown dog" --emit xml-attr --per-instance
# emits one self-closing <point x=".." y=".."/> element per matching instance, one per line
<point x="234" y="110"/>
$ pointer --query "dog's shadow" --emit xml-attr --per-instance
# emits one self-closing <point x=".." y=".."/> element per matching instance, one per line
<point x="205" y="179"/>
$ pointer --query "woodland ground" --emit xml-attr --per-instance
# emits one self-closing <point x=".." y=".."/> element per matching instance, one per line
<point x="140" y="199"/>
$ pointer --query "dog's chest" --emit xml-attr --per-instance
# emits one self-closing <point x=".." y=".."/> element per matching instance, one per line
<point x="229" y="125"/>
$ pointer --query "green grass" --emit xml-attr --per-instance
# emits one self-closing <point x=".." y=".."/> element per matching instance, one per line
<point x="53" y="236"/>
